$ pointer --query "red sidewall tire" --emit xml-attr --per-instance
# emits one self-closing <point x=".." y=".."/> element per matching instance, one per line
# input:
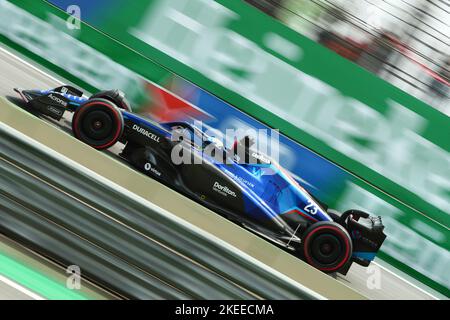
<point x="330" y="229"/>
<point x="120" y="103"/>
<point x="107" y="107"/>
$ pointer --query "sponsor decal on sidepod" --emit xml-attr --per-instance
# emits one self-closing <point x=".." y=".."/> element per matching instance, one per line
<point x="224" y="190"/>
<point x="146" y="133"/>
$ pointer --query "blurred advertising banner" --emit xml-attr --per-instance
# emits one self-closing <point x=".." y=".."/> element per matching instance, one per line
<point x="315" y="97"/>
<point x="391" y="150"/>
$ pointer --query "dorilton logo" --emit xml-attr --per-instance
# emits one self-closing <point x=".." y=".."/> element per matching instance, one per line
<point x="146" y="133"/>
<point x="260" y="157"/>
<point x="224" y="190"/>
<point x="58" y="100"/>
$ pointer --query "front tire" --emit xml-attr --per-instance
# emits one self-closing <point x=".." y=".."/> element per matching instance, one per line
<point x="98" y="123"/>
<point x="327" y="246"/>
<point x="115" y="96"/>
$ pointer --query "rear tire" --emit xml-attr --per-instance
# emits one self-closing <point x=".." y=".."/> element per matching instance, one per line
<point x="98" y="123"/>
<point x="327" y="246"/>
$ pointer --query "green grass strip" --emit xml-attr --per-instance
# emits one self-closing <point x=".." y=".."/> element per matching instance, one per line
<point x="36" y="281"/>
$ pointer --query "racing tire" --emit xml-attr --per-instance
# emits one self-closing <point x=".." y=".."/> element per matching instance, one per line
<point x="114" y="96"/>
<point x="98" y="123"/>
<point x="327" y="246"/>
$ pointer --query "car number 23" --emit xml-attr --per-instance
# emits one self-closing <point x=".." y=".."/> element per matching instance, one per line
<point x="311" y="208"/>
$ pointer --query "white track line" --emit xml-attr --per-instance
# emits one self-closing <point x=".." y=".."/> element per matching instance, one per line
<point x="30" y="65"/>
<point x="59" y="81"/>
<point x="20" y="288"/>
<point x="406" y="281"/>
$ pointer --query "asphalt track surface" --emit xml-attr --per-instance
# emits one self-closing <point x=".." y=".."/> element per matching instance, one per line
<point x="12" y="291"/>
<point x="9" y="290"/>
<point x="14" y="72"/>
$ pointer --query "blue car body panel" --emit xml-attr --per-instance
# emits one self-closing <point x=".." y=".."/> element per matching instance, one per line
<point x="268" y="191"/>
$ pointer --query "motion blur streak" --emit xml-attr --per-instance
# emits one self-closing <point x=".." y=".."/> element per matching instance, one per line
<point x="393" y="287"/>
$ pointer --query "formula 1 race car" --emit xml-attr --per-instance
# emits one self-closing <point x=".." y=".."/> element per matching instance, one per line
<point x="237" y="182"/>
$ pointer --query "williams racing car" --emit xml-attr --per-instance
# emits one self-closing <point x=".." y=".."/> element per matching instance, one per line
<point x="238" y="182"/>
